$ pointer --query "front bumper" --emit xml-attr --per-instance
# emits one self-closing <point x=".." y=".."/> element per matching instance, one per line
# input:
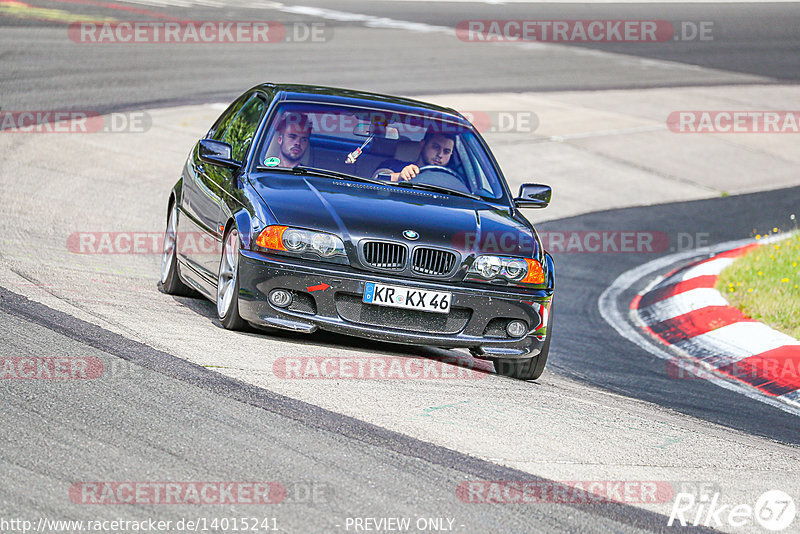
<point x="328" y="297"/>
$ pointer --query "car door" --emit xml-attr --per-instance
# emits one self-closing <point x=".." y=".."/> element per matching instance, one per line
<point x="223" y="180"/>
<point x="198" y="229"/>
<point x="240" y="135"/>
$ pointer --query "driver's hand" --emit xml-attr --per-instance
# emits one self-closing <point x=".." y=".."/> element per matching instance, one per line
<point x="408" y="172"/>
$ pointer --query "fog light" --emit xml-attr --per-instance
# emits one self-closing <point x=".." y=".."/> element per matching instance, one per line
<point x="280" y="298"/>
<point x="516" y="328"/>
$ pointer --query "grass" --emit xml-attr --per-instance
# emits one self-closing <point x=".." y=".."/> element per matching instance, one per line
<point x="764" y="284"/>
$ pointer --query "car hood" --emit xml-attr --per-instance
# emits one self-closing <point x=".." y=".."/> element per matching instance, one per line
<point x="359" y="210"/>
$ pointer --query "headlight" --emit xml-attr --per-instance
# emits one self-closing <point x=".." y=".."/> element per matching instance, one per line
<point x="302" y="242"/>
<point x="519" y="270"/>
<point x="515" y="269"/>
<point x="326" y="245"/>
<point x="294" y="240"/>
<point x="488" y="266"/>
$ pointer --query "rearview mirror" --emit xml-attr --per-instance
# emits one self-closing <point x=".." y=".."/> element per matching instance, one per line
<point x="217" y="153"/>
<point x="364" y="129"/>
<point x="533" y="196"/>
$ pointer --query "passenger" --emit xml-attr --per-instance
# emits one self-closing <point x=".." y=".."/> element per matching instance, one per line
<point x="293" y="132"/>
<point x="436" y="149"/>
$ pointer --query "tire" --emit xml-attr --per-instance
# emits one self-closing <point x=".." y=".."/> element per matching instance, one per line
<point x="528" y="368"/>
<point x="170" y="279"/>
<point x="228" y="283"/>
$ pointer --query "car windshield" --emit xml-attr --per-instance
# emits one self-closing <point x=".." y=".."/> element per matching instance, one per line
<point x="375" y="144"/>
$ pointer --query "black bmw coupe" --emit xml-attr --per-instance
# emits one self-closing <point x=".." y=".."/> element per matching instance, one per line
<point x="363" y="214"/>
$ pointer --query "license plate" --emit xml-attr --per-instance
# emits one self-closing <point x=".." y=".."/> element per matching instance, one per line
<point x="407" y="297"/>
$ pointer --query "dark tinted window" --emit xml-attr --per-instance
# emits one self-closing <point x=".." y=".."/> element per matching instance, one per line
<point x="239" y="133"/>
<point x="218" y="130"/>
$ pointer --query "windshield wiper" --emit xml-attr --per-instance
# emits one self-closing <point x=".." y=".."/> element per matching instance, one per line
<point x="336" y="174"/>
<point x="301" y="170"/>
<point x="304" y="171"/>
<point x="438" y="189"/>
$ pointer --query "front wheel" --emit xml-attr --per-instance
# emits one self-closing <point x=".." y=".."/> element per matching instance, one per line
<point x="528" y="368"/>
<point x="228" y="283"/>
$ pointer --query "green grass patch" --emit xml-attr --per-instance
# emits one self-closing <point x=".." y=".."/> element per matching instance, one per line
<point x="764" y="285"/>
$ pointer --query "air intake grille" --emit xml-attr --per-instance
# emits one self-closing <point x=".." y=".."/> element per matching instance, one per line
<point x="350" y="308"/>
<point x="432" y="261"/>
<point x="383" y="255"/>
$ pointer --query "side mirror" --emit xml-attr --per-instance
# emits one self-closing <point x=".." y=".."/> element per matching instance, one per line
<point x="533" y="196"/>
<point x="217" y="153"/>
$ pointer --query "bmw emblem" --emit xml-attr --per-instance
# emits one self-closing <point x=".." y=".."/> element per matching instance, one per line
<point x="411" y="235"/>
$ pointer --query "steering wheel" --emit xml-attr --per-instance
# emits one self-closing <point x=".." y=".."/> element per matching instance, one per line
<point x="442" y="168"/>
<point x="441" y="176"/>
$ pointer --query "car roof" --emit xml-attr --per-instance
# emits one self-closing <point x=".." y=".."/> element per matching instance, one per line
<point x="335" y="95"/>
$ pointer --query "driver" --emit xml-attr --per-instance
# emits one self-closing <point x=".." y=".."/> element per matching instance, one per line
<point x="293" y="132"/>
<point x="436" y="149"/>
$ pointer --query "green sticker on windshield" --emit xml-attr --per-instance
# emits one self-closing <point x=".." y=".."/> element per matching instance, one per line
<point x="272" y="162"/>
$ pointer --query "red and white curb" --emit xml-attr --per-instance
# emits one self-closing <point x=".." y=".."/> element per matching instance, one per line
<point x="681" y="318"/>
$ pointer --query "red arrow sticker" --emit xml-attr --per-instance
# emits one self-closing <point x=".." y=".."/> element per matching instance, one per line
<point x="321" y="287"/>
